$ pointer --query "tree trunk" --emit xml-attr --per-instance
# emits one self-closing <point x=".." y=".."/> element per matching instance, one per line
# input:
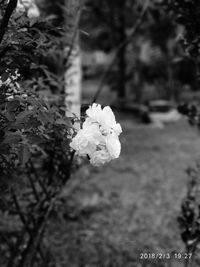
<point x="73" y="72"/>
<point x="122" y="53"/>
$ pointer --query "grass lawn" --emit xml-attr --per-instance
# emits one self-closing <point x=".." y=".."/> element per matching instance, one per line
<point x="112" y="214"/>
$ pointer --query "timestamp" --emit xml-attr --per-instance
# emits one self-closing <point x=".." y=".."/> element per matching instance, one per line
<point x="180" y="255"/>
<point x="166" y="256"/>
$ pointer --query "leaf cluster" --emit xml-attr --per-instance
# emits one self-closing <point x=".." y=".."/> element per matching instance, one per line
<point x="188" y="14"/>
<point x="35" y="157"/>
<point x="32" y="113"/>
<point x="189" y="218"/>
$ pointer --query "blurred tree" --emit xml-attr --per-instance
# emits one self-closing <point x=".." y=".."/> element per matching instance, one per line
<point x="73" y="67"/>
<point x="109" y="23"/>
<point x="144" y="37"/>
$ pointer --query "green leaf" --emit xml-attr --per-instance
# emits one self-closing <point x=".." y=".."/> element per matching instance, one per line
<point x="13" y="105"/>
<point x="22" y="118"/>
<point x="12" y="138"/>
<point x="63" y="121"/>
<point x="35" y="139"/>
<point x="4" y="76"/>
<point x="24" y="154"/>
<point x="32" y="123"/>
<point x="45" y="117"/>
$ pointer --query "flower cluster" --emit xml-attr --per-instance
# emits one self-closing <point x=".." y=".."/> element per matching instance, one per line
<point x="8" y="81"/>
<point x="29" y="7"/>
<point x="8" y="78"/>
<point x="99" y="136"/>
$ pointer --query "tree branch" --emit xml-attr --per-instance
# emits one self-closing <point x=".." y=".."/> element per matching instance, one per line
<point x="119" y="48"/>
<point x="4" y="23"/>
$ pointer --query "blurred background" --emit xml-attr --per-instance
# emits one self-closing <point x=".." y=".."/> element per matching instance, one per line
<point x="133" y="59"/>
<point x="133" y="56"/>
<point x="138" y="45"/>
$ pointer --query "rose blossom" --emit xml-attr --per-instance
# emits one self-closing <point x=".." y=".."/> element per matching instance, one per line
<point x="94" y="113"/>
<point x="105" y="117"/>
<point x="113" y="145"/>
<point x="99" y="136"/>
<point x="99" y="157"/>
<point x="33" y="12"/>
<point x="86" y="140"/>
<point x="108" y="122"/>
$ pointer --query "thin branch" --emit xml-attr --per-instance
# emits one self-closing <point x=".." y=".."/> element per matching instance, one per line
<point x="7" y="240"/>
<point x="75" y="30"/>
<point x="20" y="212"/>
<point x="38" y="179"/>
<point x="9" y="10"/>
<point x="26" y="230"/>
<point x="119" y="48"/>
<point x="35" y="193"/>
<point x="36" y="236"/>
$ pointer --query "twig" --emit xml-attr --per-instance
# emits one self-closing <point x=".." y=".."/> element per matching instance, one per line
<point x="74" y="35"/>
<point x="119" y="48"/>
<point x="7" y="240"/>
<point x="20" y="212"/>
<point x="26" y="230"/>
<point x="9" y="10"/>
<point x="36" y="236"/>
<point x="69" y="167"/>
<point x="38" y="179"/>
<point x="35" y="193"/>
<point x="20" y="239"/>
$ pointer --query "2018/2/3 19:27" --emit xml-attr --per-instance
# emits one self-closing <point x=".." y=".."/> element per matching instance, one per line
<point x="167" y="256"/>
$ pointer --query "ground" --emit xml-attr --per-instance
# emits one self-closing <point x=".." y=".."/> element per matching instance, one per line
<point x="112" y="214"/>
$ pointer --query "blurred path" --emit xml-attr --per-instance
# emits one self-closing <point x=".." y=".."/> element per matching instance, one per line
<point x="146" y="184"/>
<point x="130" y="205"/>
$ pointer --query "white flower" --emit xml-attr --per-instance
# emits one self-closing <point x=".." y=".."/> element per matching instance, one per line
<point x="28" y="6"/>
<point x="100" y="157"/>
<point x="92" y="131"/>
<point x="20" y="7"/>
<point x="82" y="145"/>
<point x="86" y="140"/>
<point x="113" y="145"/>
<point x="108" y="122"/>
<point x="27" y="3"/>
<point x="94" y="113"/>
<point x="99" y="136"/>
<point x="105" y="117"/>
<point x="33" y="12"/>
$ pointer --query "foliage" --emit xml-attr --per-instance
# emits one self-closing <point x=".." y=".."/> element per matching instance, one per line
<point x="35" y="159"/>
<point x="187" y="14"/>
<point x="151" y="57"/>
<point x="189" y="218"/>
<point x="28" y="119"/>
<point x="35" y="48"/>
<point x="106" y="35"/>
